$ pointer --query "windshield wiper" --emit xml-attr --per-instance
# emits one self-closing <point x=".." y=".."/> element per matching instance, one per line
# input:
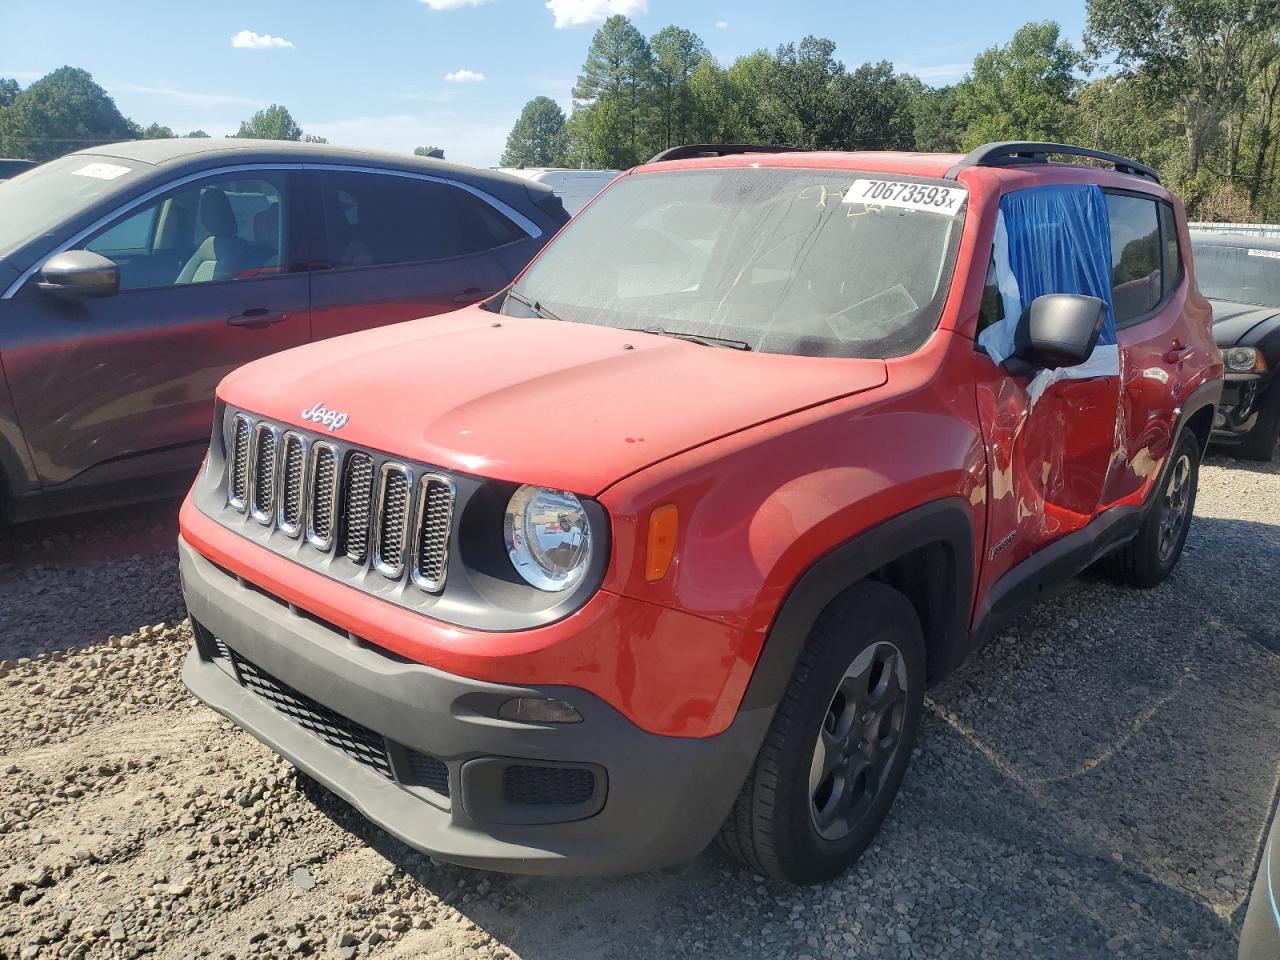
<point x="533" y="305"/>
<point x="702" y="338"/>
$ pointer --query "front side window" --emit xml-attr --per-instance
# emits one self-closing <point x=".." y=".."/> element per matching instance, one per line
<point x="1136" y="285"/>
<point x="773" y="259"/>
<point x="1240" y="274"/>
<point x="219" y="228"/>
<point x="375" y="219"/>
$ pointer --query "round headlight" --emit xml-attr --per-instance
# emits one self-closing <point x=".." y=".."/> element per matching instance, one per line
<point x="548" y="537"/>
<point x="1240" y="359"/>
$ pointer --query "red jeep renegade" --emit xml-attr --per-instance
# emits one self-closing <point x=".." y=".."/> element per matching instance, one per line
<point x="668" y="539"/>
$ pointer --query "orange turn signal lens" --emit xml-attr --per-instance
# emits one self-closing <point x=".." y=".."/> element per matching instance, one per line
<point x="664" y="523"/>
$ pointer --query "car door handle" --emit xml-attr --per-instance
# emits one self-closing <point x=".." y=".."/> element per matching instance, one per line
<point x="1177" y="354"/>
<point x="470" y="295"/>
<point x="256" y="318"/>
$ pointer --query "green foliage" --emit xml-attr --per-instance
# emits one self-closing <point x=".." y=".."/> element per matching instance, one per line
<point x="1021" y="90"/>
<point x="538" y="138"/>
<point x="156" y="132"/>
<point x="677" y="53"/>
<point x="618" y="82"/>
<point x="272" y="123"/>
<point x="9" y="89"/>
<point x="197" y="135"/>
<point x="60" y="112"/>
<point x="428" y="152"/>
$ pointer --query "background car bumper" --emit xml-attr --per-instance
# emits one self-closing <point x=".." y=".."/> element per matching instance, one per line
<point x="423" y="753"/>
<point x="1237" y="412"/>
<point x="1260" y="936"/>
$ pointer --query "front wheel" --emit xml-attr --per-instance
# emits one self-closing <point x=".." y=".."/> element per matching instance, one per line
<point x="1263" y="440"/>
<point x="1153" y="553"/>
<point x="839" y="743"/>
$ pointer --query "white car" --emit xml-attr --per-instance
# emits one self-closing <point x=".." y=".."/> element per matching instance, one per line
<point x="574" y="187"/>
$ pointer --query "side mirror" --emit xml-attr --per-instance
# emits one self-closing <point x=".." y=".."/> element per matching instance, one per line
<point x="1057" y="330"/>
<point x="73" y="274"/>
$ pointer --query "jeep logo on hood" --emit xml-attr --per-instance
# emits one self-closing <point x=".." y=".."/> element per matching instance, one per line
<point x="331" y="419"/>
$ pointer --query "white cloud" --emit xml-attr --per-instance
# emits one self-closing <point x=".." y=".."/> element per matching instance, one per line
<point x="722" y="24"/>
<point x="464" y="76"/>
<point x="248" y="40"/>
<point x="452" y="4"/>
<point x="587" y="13"/>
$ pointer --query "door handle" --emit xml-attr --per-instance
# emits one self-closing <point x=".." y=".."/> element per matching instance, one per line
<point x="470" y="295"/>
<point x="1178" y="353"/>
<point x="256" y="318"/>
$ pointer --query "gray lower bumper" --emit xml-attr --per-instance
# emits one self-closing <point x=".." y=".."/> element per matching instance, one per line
<point x="660" y="799"/>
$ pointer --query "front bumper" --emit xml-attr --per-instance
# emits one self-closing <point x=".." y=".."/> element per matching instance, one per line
<point x="1237" y="412"/>
<point x="423" y="754"/>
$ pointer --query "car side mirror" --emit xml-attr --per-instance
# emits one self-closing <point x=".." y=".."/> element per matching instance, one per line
<point x="73" y="274"/>
<point x="1056" y="330"/>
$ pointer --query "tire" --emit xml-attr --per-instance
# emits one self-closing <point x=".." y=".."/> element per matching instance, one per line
<point x="805" y="815"/>
<point x="1262" y="441"/>
<point x="1151" y="555"/>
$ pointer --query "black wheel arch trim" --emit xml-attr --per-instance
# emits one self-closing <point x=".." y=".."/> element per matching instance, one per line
<point x="947" y="522"/>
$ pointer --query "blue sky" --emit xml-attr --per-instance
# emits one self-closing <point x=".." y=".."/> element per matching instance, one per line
<point x="396" y="74"/>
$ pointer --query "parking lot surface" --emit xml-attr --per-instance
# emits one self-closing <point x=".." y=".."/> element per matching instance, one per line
<point x="1095" y="782"/>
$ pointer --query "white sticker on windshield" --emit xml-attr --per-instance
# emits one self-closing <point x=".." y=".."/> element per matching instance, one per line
<point x="101" y="171"/>
<point x="1273" y="254"/>
<point x="909" y="196"/>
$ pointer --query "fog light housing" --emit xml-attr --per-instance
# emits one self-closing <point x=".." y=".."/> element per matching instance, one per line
<point x="538" y="710"/>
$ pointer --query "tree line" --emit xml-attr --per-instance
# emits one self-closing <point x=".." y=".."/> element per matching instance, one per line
<point x="66" y="110"/>
<point x="1191" y="87"/>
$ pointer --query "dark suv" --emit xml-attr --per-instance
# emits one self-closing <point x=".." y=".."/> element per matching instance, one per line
<point x="133" y="277"/>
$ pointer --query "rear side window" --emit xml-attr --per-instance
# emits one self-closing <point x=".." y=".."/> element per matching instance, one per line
<point x="1136" y="284"/>
<point x="376" y="219"/>
<point x="1171" y="261"/>
<point x="992" y="309"/>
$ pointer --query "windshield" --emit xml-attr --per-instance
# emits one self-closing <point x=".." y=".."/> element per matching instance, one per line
<point x="35" y="202"/>
<point x="795" y="261"/>
<point x="1239" y="274"/>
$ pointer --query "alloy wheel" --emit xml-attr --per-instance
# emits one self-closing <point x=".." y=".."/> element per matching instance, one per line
<point x="1173" y="507"/>
<point x="858" y="741"/>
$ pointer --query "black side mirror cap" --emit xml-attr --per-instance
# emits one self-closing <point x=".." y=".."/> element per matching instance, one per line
<point x="73" y="274"/>
<point x="1057" y="330"/>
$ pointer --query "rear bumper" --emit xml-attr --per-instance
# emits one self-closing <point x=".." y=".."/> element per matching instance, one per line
<point x="423" y="754"/>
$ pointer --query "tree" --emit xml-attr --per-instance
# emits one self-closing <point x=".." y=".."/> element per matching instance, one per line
<point x="934" y="125"/>
<point x="8" y="90"/>
<point x="60" y="112"/>
<point x="1189" y="50"/>
<point x="156" y="132"/>
<point x="873" y="108"/>
<point x="436" y="152"/>
<point x="273" y="123"/>
<point x="197" y="135"/>
<point x="677" y="53"/>
<point x="537" y="139"/>
<point x="618" y="78"/>
<point x="1020" y="91"/>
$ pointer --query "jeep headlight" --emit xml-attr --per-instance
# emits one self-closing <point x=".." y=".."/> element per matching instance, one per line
<point x="548" y="537"/>
<point x="1243" y="360"/>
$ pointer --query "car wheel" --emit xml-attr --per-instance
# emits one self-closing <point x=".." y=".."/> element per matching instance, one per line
<point x="839" y="743"/>
<point x="1262" y="441"/>
<point x="1151" y="555"/>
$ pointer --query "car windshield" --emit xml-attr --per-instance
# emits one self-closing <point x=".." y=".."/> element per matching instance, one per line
<point x="33" y="203"/>
<point x="1240" y="274"/>
<point x="828" y="263"/>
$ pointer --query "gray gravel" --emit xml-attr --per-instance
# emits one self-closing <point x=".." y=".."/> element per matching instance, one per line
<point x="1094" y="783"/>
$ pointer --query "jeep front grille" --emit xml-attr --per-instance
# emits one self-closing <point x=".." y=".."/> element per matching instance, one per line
<point x="262" y="494"/>
<point x="357" y="490"/>
<point x="293" y="461"/>
<point x="373" y="512"/>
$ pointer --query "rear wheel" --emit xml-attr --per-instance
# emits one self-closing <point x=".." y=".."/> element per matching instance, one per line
<point x="1263" y="440"/>
<point x="1151" y="555"/>
<point x="839" y="743"/>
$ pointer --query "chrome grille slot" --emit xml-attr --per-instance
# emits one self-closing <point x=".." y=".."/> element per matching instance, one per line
<point x="293" y="468"/>
<point x="238" y="463"/>
<point x="395" y="481"/>
<point x="262" y="491"/>
<point x="357" y="493"/>
<point x="322" y="499"/>
<point x="433" y="521"/>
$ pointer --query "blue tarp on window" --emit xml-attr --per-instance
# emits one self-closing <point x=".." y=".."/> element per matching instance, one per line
<point x="1055" y="239"/>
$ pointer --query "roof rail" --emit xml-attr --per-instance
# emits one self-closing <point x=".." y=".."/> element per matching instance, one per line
<point x="694" y="150"/>
<point x="1014" y="152"/>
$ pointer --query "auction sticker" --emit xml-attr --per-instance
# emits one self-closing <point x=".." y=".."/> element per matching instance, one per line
<point x="1273" y="254"/>
<point x="101" y="171"/>
<point x="928" y="197"/>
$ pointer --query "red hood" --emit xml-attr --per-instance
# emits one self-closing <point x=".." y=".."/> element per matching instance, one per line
<point x="535" y="401"/>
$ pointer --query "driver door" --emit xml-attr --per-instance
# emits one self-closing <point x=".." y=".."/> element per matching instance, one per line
<point x="121" y="387"/>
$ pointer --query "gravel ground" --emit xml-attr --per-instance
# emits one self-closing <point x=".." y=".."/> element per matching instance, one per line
<point x="1095" y="782"/>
